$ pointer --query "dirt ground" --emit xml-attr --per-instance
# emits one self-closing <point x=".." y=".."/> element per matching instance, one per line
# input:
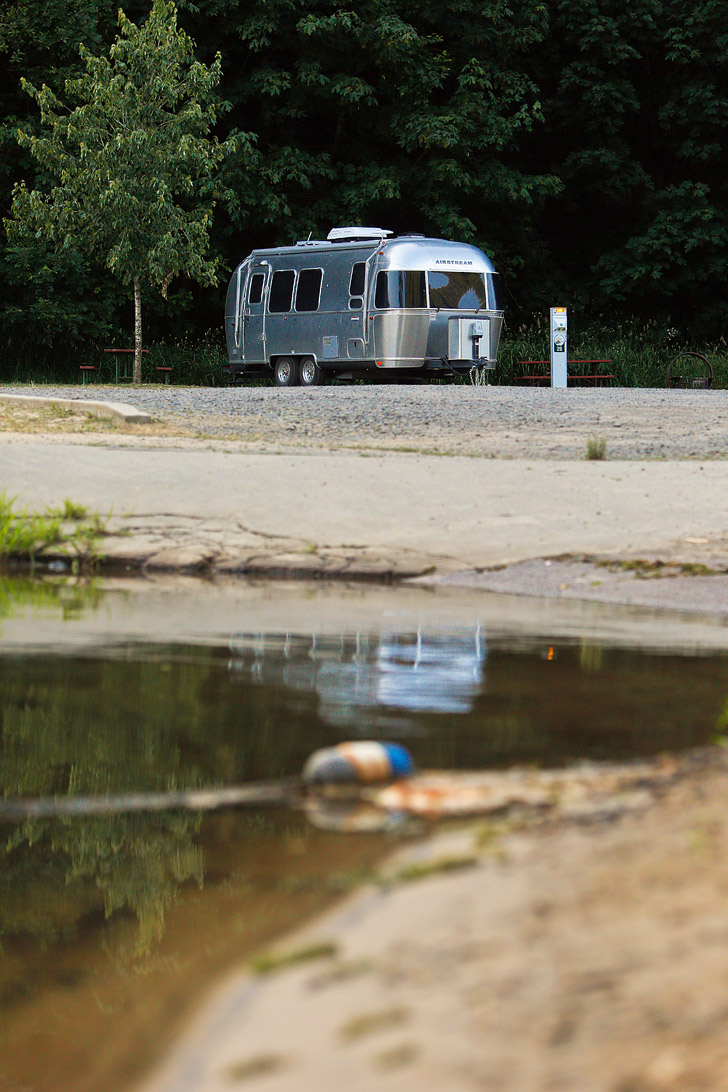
<point x="542" y="950"/>
<point x="582" y="949"/>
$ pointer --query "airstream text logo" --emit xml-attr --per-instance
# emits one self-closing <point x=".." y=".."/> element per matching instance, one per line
<point x="453" y="261"/>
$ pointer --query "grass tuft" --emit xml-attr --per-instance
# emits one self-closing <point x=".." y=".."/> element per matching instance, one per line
<point x="26" y="537"/>
<point x="451" y="863"/>
<point x="596" y="447"/>
<point x="370" y="1022"/>
<point x="276" y="961"/>
<point x="258" y="1066"/>
<point x="23" y="535"/>
<point x="396" y="1057"/>
<point x="73" y="511"/>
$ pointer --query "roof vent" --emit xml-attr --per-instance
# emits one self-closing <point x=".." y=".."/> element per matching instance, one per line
<point x="352" y="234"/>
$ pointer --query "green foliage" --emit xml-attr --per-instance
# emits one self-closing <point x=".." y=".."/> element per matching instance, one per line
<point x="579" y="143"/>
<point x="636" y="110"/>
<point x="26" y="537"/>
<point x="388" y="112"/>
<point x="23" y="535"/>
<point x="132" y="166"/>
<point x="194" y="361"/>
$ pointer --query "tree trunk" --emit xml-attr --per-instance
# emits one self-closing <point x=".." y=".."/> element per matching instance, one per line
<point x="137" y="331"/>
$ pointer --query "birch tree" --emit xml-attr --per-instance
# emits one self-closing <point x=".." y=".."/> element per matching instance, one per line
<point x="126" y="170"/>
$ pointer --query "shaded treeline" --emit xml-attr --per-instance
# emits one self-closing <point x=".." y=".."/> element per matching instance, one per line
<point x="579" y="142"/>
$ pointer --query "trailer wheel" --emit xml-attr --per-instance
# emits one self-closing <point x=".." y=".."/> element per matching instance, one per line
<point x="285" y="372"/>
<point x="310" y="373"/>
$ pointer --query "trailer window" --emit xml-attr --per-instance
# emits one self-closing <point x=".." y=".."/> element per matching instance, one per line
<point x="356" y="284"/>
<point x="494" y="291"/>
<point x="456" y="291"/>
<point x="255" y="293"/>
<point x="400" y="288"/>
<point x="281" y="291"/>
<point x="308" y="290"/>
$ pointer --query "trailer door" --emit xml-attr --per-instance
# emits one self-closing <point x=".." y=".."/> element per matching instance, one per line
<point x="254" y="314"/>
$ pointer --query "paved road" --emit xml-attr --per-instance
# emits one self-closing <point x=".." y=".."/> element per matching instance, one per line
<point x="405" y="511"/>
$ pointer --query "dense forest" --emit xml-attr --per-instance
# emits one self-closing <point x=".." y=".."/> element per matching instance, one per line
<point x="578" y="142"/>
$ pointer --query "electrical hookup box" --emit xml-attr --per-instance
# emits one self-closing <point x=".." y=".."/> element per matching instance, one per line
<point x="559" y="344"/>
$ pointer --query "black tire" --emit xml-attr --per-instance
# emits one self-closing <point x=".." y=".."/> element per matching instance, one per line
<point x="309" y="372"/>
<point x="285" y="372"/>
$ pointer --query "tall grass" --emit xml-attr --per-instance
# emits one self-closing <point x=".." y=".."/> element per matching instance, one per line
<point x="639" y="353"/>
<point x="23" y="535"/>
<point x="194" y="362"/>
<point x="70" y="529"/>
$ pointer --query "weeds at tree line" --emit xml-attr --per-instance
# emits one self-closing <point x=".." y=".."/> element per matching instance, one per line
<point x="638" y="354"/>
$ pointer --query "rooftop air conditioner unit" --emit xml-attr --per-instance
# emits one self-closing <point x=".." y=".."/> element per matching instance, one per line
<point x="350" y="234"/>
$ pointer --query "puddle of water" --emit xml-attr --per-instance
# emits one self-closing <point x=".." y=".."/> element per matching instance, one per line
<point x="111" y="926"/>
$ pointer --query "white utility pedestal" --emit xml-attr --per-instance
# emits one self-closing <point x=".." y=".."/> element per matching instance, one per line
<point x="559" y="347"/>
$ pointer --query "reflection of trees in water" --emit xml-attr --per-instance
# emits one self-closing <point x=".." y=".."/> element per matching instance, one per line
<point x="95" y="727"/>
<point x="138" y="722"/>
<point x="137" y="862"/>
<point x="55" y="873"/>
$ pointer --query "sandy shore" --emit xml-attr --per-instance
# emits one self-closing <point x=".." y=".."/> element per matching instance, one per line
<point x="567" y="952"/>
<point x="533" y="953"/>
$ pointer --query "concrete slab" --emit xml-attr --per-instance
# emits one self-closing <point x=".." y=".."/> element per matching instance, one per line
<point x="413" y="511"/>
<point x="120" y="411"/>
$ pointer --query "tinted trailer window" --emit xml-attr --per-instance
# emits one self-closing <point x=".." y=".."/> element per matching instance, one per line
<point x="281" y="291"/>
<point x="356" y="286"/>
<point x="494" y="291"/>
<point x="256" y="288"/>
<point x="308" y="291"/>
<point x="457" y="291"/>
<point x="400" y="288"/>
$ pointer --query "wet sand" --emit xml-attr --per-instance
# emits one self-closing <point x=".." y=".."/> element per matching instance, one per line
<point x="532" y="954"/>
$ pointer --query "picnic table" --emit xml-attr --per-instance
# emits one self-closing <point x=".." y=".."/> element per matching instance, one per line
<point x="596" y="379"/>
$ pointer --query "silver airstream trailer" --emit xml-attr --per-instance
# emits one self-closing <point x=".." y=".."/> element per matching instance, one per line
<point x="359" y="302"/>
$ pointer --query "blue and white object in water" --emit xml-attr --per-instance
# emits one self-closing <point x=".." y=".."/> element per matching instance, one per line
<point x="362" y="762"/>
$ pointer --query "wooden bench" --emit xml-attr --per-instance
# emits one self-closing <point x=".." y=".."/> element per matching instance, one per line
<point x="542" y="378"/>
<point x="85" y="369"/>
<point x="166" y="370"/>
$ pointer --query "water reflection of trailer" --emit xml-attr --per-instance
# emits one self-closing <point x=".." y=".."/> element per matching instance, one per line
<point x="425" y="671"/>
<point x="361" y="302"/>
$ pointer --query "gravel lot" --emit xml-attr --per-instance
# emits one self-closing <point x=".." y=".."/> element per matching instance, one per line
<point x="492" y="422"/>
